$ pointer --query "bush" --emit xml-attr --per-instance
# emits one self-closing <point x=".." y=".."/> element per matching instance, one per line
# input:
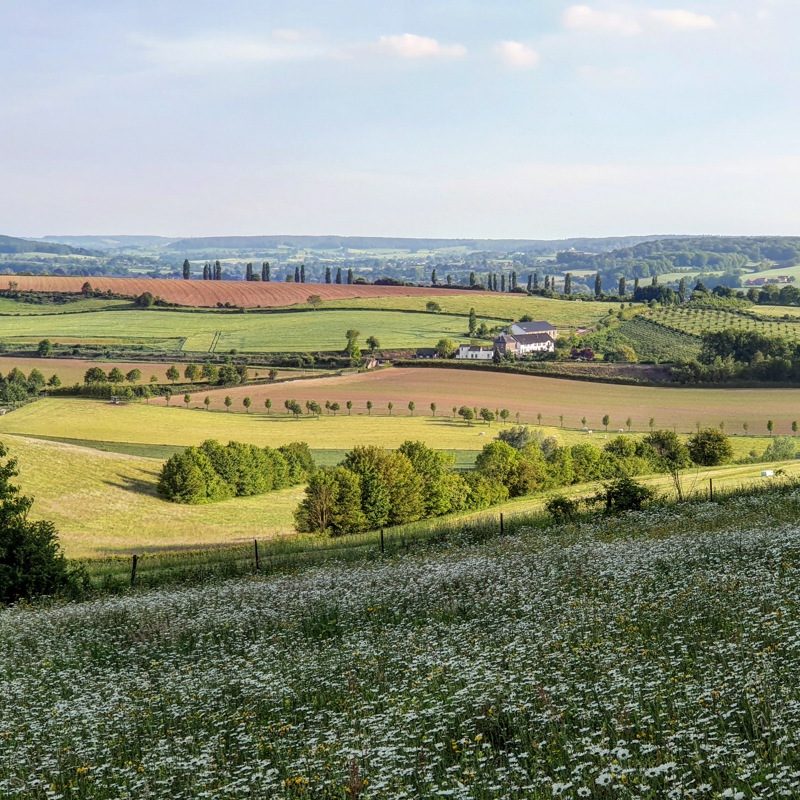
<point x="624" y="494"/>
<point x="710" y="447"/>
<point x="562" y="509"/>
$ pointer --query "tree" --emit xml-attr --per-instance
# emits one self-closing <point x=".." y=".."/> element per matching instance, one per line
<point x="539" y="418"/>
<point x="116" y="375"/>
<point x="268" y="405"/>
<point x="31" y="561"/>
<point x="629" y="423"/>
<point x="621" y="289"/>
<point x="335" y="407"/>
<point x="561" y="419"/>
<point x="504" y="415"/>
<point x="339" y="275"/>
<point x="373" y="344"/>
<point x="369" y="408"/>
<point x="187" y="398"/>
<point x="672" y="454"/>
<point x="302" y="273"/>
<point x="209" y="373"/>
<point x="350" y="276"/>
<point x="432" y="306"/>
<point x="583" y="421"/>
<point x="467" y="414"/>
<point x="54" y="382"/>
<point x="606" y="421"/>
<point x="412" y="407"/>
<point x="352" y="349"/>
<point x="314" y="300"/>
<point x="651" y="423"/>
<point x="272" y="375"/>
<point x="94" y="375"/>
<point x="445" y="348"/>
<point x="247" y="402"/>
<point x="349" y="405"/>
<point x="173" y="374"/>
<point x="192" y="372"/>
<point x="45" y="348"/>
<point x="207" y="402"/>
<point x="153" y="379"/>
<point x="794" y="427"/>
<point x="770" y="426"/>
<point x="473" y="322"/>
<point x="568" y="283"/>
<point x="228" y="402"/>
<point x="134" y="376"/>
<point x="168" y="396"/>
<point x="598" y="285"/>
<point x="433" y="409"/>
<point x="265" y="272"/>
<point x="433" y="277"/>
<point x="390" y="406"/>
<point x="327" y="274"/>
<point x="746" y="427"/>
<point x="36" y="381"/>
<point x="455" y="411"/>
<point x="187" y="269"/>
<point x="710" y="447"/>
<point x="486" y="415"/>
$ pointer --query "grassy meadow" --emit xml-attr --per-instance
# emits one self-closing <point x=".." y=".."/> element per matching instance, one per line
<point x="105" y="503"/>
<point x="647" y="656"/>
<point x="16" y="307"/>
<point x="211" y="331"/>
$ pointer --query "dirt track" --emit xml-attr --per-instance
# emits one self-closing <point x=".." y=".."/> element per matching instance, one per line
<point x="208" y="293"/>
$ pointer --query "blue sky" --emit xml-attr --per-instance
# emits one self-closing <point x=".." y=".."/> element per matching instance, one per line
<point x="510" y="118"/>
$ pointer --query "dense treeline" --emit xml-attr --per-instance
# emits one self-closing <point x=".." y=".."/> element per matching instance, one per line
<point x="372" y="488"/>
<point x="213" y="472"/>
<point x="733" y="354"/>
<point x="16" y="387"/>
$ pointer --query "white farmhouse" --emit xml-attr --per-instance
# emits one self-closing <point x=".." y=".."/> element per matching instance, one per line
<point x="524" y="344"/>
<point x="469" y="352"/>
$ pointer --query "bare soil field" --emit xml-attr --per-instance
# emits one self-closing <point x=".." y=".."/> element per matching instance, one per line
<point x="208" y="293"/>
<point x="530" y="396"/>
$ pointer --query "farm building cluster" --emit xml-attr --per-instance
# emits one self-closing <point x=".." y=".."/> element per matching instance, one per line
<point x="520" y="339"/>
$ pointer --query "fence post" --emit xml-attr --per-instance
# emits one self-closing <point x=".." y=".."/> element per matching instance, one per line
<point x="711" y="489"/>
<point x="133" y="569"/>
<point x="255" y="547"/>
<point x="502" y="526"/>
<point x="383" y="546"/>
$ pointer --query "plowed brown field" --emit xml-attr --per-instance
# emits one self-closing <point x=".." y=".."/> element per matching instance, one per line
<point x="530" y="396"/>
<point x="208" y="293"/>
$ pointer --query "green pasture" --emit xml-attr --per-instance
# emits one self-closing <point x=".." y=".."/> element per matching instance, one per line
<point x="561" y="313"/>
<point x="308" y="331"/>
<point x="8" y="306"/>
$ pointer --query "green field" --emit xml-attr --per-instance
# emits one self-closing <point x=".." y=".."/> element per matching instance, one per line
<point x="8" y="306"/>
<point x="561" y="313"/>
<point x="210" y="331"/>
<point x="650" y="341"/>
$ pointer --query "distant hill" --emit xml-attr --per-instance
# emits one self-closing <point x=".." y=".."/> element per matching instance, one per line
<point x="111" y="242"/>
<point x="254" y="244"/>
<point x="11" y="244"/>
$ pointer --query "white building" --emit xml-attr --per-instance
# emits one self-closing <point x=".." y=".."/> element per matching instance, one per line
<point x="468" y="352"/>
<point x="525" y="344"/>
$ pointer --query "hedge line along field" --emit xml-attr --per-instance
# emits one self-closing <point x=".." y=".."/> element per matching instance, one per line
<point x="106" y="504"/>
<point x="647" y="656"/>
<point x="532" y="395"/>
<point x="198" y="293"/>
<point x="18" y="307"/>
<point x="220" y="332"/>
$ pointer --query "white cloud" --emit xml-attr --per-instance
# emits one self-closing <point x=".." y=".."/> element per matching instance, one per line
<point x="681" y="20"/>
<point x="517" y="55"/>
<point x="409" y="45"/>
<point x="632" y="22"/>
<point x="588" y="19"/>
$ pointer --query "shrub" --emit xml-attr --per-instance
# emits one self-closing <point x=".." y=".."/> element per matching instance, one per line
<point x="710" y="447"/>
<point x="562" y="509"/>
<point x="624" y="494"/>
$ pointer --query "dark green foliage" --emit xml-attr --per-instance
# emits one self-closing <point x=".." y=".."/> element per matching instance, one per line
<point x="31" y="561"/>
<point x="624" y="494"/>
<point x="563" y="509"/>
<point x="215" y="472"/>
<point x="710" y="447"/>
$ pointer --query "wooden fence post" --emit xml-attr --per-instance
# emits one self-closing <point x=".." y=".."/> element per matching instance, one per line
<point x="133" y="569"/>
<point x="255" y="546"/>
<point x="711" y="489"/>
<point x="383" y="546"/>
<point x="502" y="526"/>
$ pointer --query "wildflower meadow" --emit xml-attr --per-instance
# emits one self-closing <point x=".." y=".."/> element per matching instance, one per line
<point x="651" y="655"/>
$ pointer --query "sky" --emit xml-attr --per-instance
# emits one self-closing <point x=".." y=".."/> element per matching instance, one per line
<point x="434" y="118"/>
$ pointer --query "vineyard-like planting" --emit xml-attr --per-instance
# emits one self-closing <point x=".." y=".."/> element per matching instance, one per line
<point x="695" y="321"/>
<point x="650" y="340"/>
